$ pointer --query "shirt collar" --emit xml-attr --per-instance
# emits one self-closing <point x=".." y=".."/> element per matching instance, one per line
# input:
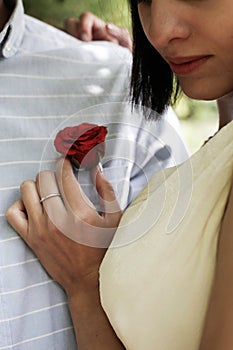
<point x="12" y="33"/>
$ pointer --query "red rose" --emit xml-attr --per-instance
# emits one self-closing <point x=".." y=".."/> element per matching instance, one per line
<point x="84" y="143"/>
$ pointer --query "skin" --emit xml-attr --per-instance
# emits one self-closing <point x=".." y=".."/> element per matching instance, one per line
<point x="74" y="265"/>
<point x="89" y="27"/>
<point x="188" y="28"/>
<point x="176" y="28"/>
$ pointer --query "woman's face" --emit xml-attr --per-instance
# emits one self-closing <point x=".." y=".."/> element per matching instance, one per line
<point x="195" y="37"/>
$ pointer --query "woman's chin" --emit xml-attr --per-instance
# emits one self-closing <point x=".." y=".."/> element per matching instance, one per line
<point x="201" y="91"/>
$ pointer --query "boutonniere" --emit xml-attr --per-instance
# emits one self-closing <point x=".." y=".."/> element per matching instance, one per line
<point x="84" y="144"/>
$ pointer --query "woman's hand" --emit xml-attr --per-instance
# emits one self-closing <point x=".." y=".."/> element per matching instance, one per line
<point x="65" y="231"/>
<point x="70" y="239"/>
<point x="90" y="27"/>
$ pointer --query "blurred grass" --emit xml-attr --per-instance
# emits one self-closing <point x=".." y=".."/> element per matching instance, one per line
<point x="198" y="119"/>
<point x="56" y="11"/>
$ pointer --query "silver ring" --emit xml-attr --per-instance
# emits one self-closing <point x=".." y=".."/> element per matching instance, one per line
<point x="50" y="196"/>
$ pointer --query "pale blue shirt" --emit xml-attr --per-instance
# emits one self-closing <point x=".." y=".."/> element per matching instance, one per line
<point x="49" y="80"/>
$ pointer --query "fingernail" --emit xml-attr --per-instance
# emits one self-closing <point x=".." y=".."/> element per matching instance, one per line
<point x="111" y="27"/>
<point x="100" y="168"/>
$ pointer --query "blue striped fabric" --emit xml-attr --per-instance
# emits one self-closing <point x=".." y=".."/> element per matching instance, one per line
<point x="49" y="80"/>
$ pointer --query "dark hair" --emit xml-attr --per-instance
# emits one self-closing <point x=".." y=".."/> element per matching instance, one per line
<point x="152" y="81"/>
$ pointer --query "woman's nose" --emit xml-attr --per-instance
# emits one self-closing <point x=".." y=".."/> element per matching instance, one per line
<point x="168" y="22"/>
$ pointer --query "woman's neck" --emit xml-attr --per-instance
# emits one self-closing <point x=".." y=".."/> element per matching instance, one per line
<point x="225" y="107"/>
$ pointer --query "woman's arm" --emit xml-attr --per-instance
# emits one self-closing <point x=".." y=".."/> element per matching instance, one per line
<point x="70" y="239"/>
<point x="92" y="327"/>
<point x="218" y="331"/>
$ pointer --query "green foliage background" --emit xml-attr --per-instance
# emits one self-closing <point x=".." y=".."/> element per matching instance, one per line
<point x="198" y="119"/>
<point x="55" y="11"/>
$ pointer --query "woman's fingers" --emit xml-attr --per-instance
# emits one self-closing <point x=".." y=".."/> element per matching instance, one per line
<point x="31" y="199"/>
<point x="74" y="198"/>
<point x="107" y="197"/>
<point x="16" y="215"/>
<point x="91" y="223"/>
<point x="46" y="184"/>
<point x="54" y="208"/>
<point x="71" y="214"/>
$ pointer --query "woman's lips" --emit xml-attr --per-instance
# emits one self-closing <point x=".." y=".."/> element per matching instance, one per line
<point x="186" y="65"/>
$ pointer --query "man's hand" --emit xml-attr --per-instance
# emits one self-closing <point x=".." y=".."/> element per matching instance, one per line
<point x="89" y="27"/>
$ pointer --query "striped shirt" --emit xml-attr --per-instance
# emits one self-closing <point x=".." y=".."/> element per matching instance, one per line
<point x="49" y="80"/>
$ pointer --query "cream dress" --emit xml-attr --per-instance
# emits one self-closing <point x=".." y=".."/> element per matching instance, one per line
<point x="156" y="278"/>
